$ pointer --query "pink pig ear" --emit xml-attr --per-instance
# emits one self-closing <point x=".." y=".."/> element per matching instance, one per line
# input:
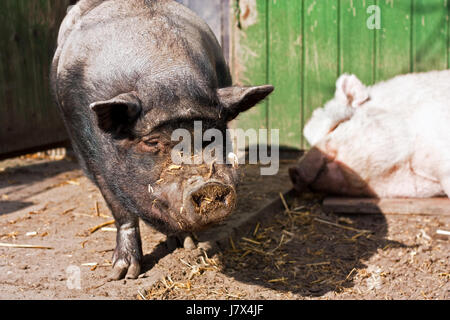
<point x="351" y="91"/>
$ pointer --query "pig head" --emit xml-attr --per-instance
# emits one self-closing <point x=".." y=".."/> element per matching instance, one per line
<point x="389" y="140"/>
<point x="126" y="75"/>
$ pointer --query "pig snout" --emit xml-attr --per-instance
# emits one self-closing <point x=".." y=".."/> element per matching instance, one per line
<point x="207" y="202"/>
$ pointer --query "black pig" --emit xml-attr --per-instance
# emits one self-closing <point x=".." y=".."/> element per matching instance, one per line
<point x="125" y="75"/>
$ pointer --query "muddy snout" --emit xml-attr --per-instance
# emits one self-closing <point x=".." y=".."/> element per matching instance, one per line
<point x="209" y="201"/>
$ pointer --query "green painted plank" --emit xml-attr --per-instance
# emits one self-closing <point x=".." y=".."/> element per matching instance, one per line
<point x="304" y="45"/>
<point x="429" y="35"/>
<point x="250" y="56"/>
<point x="285" y="70"/>
<point x="394" y="39"/>
<point x="357" y="39"/>
<point x="320" y="53"/>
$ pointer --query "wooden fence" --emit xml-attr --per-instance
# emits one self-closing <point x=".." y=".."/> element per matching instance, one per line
<point x="29" y="118"/>
<point x="302" y="46"/>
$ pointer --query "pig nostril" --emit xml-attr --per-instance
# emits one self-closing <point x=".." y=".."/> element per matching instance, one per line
<point x="211" y="198"/>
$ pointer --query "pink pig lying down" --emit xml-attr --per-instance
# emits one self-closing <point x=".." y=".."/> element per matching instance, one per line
<point x="391" y="140"/>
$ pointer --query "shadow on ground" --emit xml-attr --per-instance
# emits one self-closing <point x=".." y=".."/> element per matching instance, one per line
<point x="300" y="252"/>
<point x="12" y="206"/>
<point x="20" y="180"/>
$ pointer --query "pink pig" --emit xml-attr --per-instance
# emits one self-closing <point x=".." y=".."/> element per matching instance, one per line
<point x="391" y="140"/>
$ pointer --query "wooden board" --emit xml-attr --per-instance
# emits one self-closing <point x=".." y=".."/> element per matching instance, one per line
<point x="433" y="206"/>
<point x="394" y="49"/>
<point x="321" y="53"/>
<point x="430" y="24"/>
<point x="285" y="70"/>
<point x="304" y="45"/>
<point x="357" y="41"/>
<point x="249" y="56"/>
<point x="28" y="115"/>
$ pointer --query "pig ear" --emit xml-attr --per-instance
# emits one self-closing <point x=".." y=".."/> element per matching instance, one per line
<point x="239" y="99"/>
<point x="351" y="91"/>
<point x="118" y="112"/>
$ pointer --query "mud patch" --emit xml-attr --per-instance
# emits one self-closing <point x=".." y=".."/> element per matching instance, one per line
<point x="212" y="198"/>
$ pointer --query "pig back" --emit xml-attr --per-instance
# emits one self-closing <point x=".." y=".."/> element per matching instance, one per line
<point x="412" y="91"/>
<point x="124" y="45"/>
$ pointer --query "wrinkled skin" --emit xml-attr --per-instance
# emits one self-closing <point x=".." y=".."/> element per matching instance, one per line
<point x="125" y="75"/>
<point x="388" y="141"/>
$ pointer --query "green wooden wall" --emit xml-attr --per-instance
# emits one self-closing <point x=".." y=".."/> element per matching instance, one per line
<point x="302" y="46"/>
<point x="28" y="32"/>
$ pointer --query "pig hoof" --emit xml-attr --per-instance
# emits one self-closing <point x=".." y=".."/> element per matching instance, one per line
<point x="130" y="268"/>
<point x="189" y="244"/>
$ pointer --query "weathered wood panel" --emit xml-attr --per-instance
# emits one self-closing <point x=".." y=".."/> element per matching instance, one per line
<point x="28" y="116"/>
<point x="430" y="30"/>
<point x="285" y="69"/>
<point x="357" y="39"/>
<point x="325" y="38"/>
<point x="250" y="56"/>
<point x="321" y="53"/>
<point x="394" y="47"/>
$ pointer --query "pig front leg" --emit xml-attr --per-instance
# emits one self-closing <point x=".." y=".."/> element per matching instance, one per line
<point x="127" y="256"/>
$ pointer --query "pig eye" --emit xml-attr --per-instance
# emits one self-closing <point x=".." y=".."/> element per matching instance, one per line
<point x="151" y="145"/>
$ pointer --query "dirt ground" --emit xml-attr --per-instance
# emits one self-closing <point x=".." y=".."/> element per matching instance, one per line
<point x="303" y="253"/>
